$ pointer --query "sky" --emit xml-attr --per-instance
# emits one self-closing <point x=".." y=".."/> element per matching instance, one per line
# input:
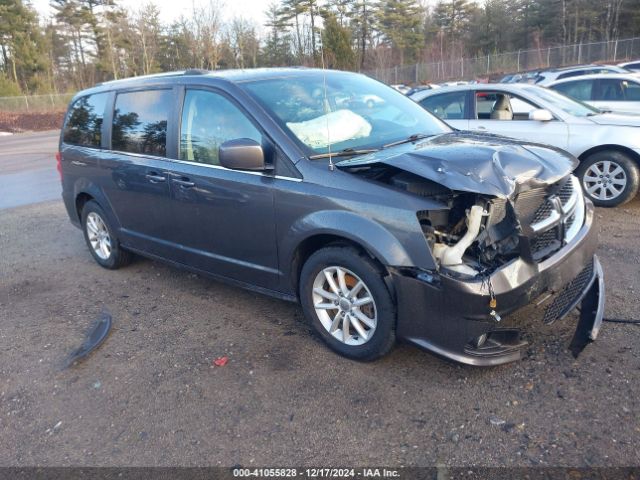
<point x="253" y="10"/>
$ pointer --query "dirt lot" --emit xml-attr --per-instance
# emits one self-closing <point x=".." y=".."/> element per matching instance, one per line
<point x="30" y="121"/>
<point x="150" y="396"/>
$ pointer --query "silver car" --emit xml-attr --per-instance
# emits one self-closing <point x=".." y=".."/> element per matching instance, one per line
<point x="607" y="144"/>
<point x="545" y="77"/>
<point x="612" y="91"/>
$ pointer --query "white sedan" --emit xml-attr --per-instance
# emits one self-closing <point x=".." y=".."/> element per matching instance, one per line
<point x="612" y="91"/>
<point x="607" y="145"/>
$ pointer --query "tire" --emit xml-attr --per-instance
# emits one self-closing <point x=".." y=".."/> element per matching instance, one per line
<point x="98" y="233"/>
<point x="376" y="320"/>
<point x="623" y="178"/>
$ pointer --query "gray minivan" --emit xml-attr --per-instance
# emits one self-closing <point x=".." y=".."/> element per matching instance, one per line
<point x="380" y="219"/>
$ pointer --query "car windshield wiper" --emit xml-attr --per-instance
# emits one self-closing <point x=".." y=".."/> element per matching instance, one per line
<point x="347" y="152"/>
<point x="410" y="138"/>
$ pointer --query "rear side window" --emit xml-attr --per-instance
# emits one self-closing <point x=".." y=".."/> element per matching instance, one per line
<point x="140" y="122"/>
<point x="84" y="122"/>
<point x="209" y="120"/>
<point x="580" y="89"/>
<point x="610" y="89"/>
<point x="575" y="73"/>
<point x="448" y="106"/>
<point x="631" y="91"/>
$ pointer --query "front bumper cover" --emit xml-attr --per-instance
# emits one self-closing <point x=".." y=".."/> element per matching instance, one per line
<point x="446" y="315"/>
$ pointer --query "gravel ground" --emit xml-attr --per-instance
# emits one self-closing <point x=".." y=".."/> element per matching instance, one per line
<point x="150" y="395"/>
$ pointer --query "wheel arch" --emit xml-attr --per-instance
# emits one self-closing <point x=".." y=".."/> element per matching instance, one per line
<point x="316" y="242"/>
<point x="325" y="228"/>
<point x="84" y="191"/>
<point x="80" y="201"/>
<point x="618" y="148"/>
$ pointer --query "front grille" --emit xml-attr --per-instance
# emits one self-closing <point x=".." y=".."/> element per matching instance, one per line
<point x="546" y="241"/>
<point x="528" y="203"/>
<point x="568" y="295"/>
<point x="543" y="212"/>
<point x="566" y="191"/>
<point x="550" y="212"/>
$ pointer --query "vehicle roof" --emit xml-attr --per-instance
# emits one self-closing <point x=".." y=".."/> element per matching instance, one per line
<point x="594" y="76"/>
<point x="481" y="86"/>
<point x="233" y="76"/>
<point x="577" y="67"/>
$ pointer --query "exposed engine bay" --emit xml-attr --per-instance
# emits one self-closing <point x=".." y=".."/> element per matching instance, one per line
<point x="473" y="233"/>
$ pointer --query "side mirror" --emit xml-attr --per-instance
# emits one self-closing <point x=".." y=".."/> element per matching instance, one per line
<point x="540" y="115"/>
<point x="242" y="154"/>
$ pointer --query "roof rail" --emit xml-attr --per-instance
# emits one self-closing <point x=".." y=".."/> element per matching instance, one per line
<point x="196" y="71"/>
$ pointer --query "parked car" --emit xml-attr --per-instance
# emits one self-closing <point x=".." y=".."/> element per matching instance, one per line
<point x="401" y="87"/>
<point x="607" y="145"/>
<point x="384" y="223"/>
<point x="634" y="65"/>
<point x="545" y="77"/>
<point x="612" y="92"/>
<point x="355" y="100"/>
<point x="420" y="88"/>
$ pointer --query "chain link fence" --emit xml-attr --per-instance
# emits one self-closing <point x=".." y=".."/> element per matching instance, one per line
<point x="486" y="67"/>
<point x="496" y="65"/>
<point x="35" y="103"/>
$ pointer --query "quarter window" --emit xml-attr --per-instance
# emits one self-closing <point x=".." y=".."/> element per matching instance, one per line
<point x="84" y="122"/>
<point x="140" y="122"/>
<point x="208" y="120"/>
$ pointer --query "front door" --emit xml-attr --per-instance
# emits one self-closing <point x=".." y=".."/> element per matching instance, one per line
<point x="506" y="114"/>
<point x="452" y="107"/>
<point x="222" y="220"/>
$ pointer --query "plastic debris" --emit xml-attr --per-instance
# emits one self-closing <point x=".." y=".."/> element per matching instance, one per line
<point x="221" y="361"/>
<point x="96" y="335"/>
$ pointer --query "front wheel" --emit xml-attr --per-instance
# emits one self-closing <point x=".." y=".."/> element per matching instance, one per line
<point x="609" y="178"/>
<point x="344" y="296"/>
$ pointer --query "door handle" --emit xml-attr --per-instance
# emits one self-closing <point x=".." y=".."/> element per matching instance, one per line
<point x="480" y="127"/>
<point x="78" y="163"/>
<point x="184" y="182"/>
<point x="155" y="178"/>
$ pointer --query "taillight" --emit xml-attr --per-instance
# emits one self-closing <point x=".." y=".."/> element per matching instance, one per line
<point x="59" y="164"/>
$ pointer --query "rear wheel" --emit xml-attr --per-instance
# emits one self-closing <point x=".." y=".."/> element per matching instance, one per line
<point x="345" y="298"/>
<point x="609" y="178"/>
<point x="103" y="245"/>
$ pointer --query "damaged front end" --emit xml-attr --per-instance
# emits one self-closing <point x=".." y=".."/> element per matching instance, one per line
<point x="512" y="228"/>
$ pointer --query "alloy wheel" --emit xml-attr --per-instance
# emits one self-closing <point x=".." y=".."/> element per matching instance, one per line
<point x="344" y="305"/>
<point x="98" y="235"/>
<point x="605" y="180"/>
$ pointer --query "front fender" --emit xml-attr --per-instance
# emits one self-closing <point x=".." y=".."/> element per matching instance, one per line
<point x="393" y="245"/>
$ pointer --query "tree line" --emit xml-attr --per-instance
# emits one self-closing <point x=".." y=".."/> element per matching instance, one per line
<point x="87" y="41"/>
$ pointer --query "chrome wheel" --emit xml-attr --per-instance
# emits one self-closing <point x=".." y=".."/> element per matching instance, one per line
<point x="345" y="306"/>
<point x="98" y="235"/>
<point x="604" y="180"/>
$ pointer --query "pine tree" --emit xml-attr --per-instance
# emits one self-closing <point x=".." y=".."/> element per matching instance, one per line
<point x="401" y="24"/>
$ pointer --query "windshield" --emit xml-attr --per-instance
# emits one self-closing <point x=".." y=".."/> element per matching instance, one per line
<point x="355" y="112"/>
<point x="566" y="104"/>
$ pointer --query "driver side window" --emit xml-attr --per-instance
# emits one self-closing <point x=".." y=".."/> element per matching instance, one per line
<point x="208" y="120"/>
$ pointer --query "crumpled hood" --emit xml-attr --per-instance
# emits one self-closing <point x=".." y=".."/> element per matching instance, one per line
<point x="486" y="164"/>
<point x="621" y="119"/>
